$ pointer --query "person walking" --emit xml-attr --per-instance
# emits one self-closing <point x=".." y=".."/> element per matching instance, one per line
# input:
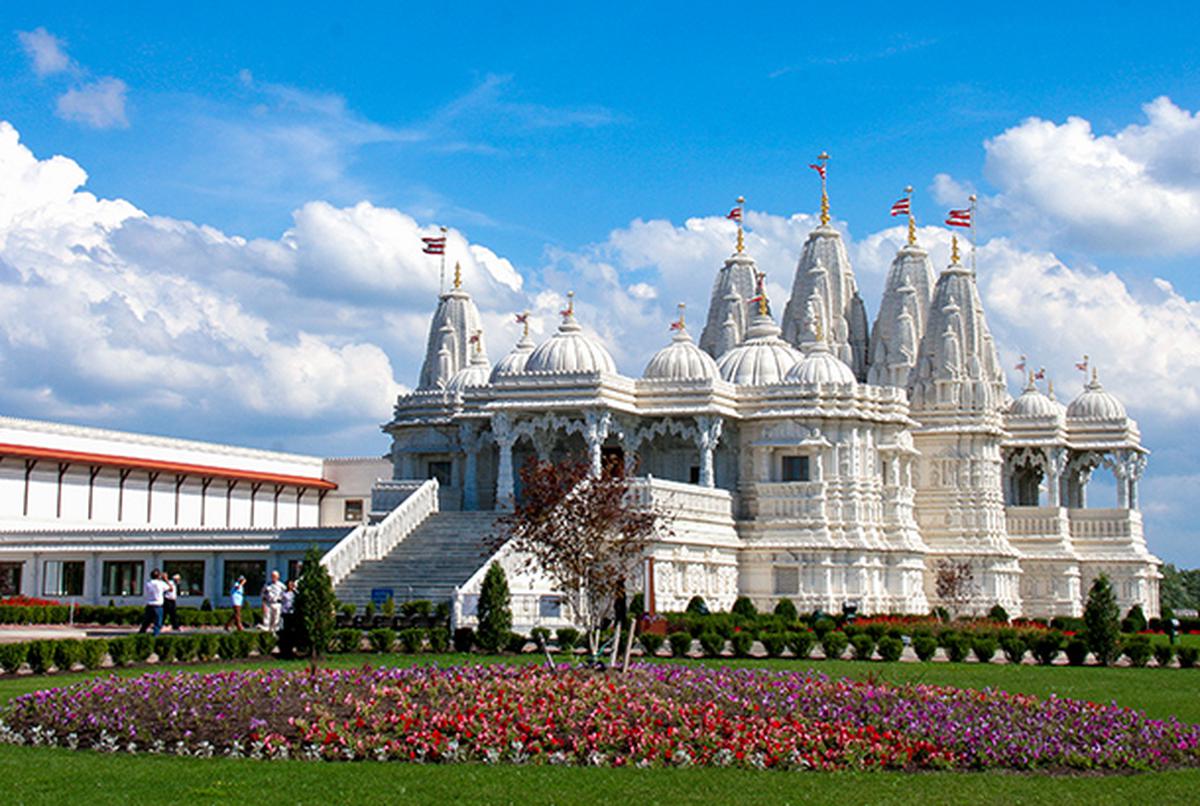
<point x="238" y="596"/>
<point x="155" y="590"/>
<point x="287" y="609"/>
<point x="170" y="601"/>
<point x="272" y="603"/>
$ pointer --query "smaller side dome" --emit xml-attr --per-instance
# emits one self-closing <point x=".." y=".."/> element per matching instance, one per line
<point x="1095" y="404"/>
<point x="515" y="361"/>
<point x="477" y="373"/>
<point x="763" y="358"/>
<point x="820" y="366"/>
<point x="1033" y="405"/>
<point x="570" y="349"/>
<point x="681" y="360"/>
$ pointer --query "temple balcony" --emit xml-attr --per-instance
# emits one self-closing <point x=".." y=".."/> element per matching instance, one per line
<point x="1107" y="525"/>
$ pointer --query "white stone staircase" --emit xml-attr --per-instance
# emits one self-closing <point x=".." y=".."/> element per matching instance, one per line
<point x="437" y="556"/>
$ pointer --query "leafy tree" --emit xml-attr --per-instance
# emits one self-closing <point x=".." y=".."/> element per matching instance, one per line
<point x="1180" y="589"/>
<point x="495" y="617"/>
<point x="1103" y="621"/>
<point x="954" y="584"/>
<point x="586" y="533"/>
<point x="1135" y="620"/>
<point x="314" y="606"/>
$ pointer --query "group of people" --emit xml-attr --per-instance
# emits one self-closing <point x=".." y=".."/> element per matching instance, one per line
<point x="278" y="602"/>
<point x="162" y="594"/>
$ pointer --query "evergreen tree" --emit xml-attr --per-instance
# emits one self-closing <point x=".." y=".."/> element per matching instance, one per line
<point x="1103" y="621"/>
<point x="495" y="617"/>
<point x="315" y="605"/>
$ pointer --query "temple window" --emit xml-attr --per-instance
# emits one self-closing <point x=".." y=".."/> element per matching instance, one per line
<point x="795" y="468"/>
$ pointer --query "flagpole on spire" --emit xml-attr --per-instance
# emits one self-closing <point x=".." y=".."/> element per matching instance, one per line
<point x="971" y="199"/>
<point x="436" y="245"/>
<point x="442" y="277"/>
<point x="457" y="273"/>
<point x="912" y="222"/>
<point x="735" y="215"/>
<point x="821" y="168"/>
<point x="953" y="250"/>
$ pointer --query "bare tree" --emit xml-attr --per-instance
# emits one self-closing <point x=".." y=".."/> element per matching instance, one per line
<point x="954" y="584"/>
<point x="583" y="533"/>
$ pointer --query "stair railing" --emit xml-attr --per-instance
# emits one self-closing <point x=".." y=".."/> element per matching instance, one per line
<point x="375" y="541"/>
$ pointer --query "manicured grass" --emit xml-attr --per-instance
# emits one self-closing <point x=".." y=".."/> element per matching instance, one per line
<point x="54" y="775"/>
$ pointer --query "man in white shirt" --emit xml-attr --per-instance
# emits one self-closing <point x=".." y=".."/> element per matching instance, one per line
<point x="272" y="603"/>
<point x="170" y="601"/>
<point x="155" y="590"/>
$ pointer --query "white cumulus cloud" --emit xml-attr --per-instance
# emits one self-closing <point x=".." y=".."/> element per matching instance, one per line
<point x="100" y="104"/>
<point x="45" y="50"/>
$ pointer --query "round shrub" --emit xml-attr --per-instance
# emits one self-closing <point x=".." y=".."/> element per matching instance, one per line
<point x="696" y="605"/>
<point x="1163" y="653"/>
<point x="742" y="642"/>
<point x="712" y="644"/>
<point x="412" y="640"/>
<point x="1077" y="651"/>
<point x="1188" y="655"/>
<point x="41" y="656"/>
<point x="1013" y="647"/>
<point x="383" y="639"/>
<point x="67" y="653"/>
<point x="12" y="656"/>
<point x="567" y="638"/>
<point x="1047" y="646"/>
<point x="143" y="647"/>
<point x="864" y="646"/>
<point x="120" y="650"/>
<point x="516" y="643"/>
<point x="1137" y="649"/>
<point x="957" y="646"/>
<point x="774" y="643"/>
<point x="164" y="648"/>
<point x="998" y="613"/>
<point x="925" y="645"/>
<point x="651" y="643"/>
<point x="681" y="644"/>
<point x="464" y="639"/>
<point x="786" y="610"/>
<point x="540" y="636"/>
<point x="823" y="627"/>
<point x="347" y="639"/>
<point x="876" y="630"/>
<point x="439" y="639"/>
<point x="834" y="644"/>
<point x="984" y="648"/>
<point x="94" y="652"/>
<point x="801" y="643"/>
<point x="745" y="608"/>
<point x="206" y="647"/>
<point x="186" y="647"/>
<point x="266" y="641"/>
<point x="890" y="648"/>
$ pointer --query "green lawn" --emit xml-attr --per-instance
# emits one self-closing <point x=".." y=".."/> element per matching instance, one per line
<point x="42" y="775"/>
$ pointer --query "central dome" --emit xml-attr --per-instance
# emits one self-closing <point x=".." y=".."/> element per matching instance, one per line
<point x="570" y="350"/>
<point x="681" y="360"/>
<point x="1095" y="404"/>
<point x="762" y="359"/>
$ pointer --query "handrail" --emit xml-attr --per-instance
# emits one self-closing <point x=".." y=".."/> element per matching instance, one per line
<point x="375" y="541"/>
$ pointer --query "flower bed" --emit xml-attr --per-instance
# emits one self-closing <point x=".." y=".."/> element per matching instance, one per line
<point x="651" y="716"/>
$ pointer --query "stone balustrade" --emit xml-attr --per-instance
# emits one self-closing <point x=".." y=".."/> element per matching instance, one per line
<point x="375" y="541"/>
<point x="1106" y="524"/>
<point x="684" y="501"/>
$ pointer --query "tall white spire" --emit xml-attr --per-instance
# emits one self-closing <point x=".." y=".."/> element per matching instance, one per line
<point x="903" y="313"/>
<point x="455" y="321"/>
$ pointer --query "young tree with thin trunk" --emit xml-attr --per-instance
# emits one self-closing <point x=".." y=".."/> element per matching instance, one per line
<point x="954" y="584"/>
<point x="583" y="532"/>
<point x="314" y="606"/>
<point x="1102" y="620"/>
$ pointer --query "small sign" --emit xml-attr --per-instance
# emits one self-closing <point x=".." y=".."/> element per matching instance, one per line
<point x="379" y="596"/>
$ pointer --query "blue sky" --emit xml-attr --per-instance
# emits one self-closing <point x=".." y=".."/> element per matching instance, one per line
<point x="587" y="148"/>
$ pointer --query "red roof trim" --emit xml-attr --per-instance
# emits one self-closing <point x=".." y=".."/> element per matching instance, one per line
<point x="80" y="457"/>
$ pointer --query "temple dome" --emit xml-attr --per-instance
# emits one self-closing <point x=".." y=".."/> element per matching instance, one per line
<point x="1033" y="405"/>
<point x="515" y="361"/>
<point x="570" y="350"/>
<point x="820" y="366"/>
<point x="1095" y="404"/>
<point x="477" y="373"/>
<point x="681" y="360"/>
<point x="763" y="358"/>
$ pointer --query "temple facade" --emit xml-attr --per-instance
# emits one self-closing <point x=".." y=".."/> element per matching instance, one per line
<point x="822" y="459"/>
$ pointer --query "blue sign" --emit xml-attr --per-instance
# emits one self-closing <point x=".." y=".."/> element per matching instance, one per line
<point x="380" y="595"/>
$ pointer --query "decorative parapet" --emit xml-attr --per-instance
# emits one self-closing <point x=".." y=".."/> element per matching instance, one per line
<point x="376" y="541"/>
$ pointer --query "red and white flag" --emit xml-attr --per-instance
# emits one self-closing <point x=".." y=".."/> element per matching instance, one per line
<point x="755" y="300"/>
<point x="1020" y="367"/>
<point x="1082" y="365"/>
<point x="474" y="339"/>
<point x="819" y="169"/>
<point x="522" y="318"/>
<point x="959" y="218"/>
<point x="902" y="207"/>
<point x="735" y="214"/>
<point x="435" y="246"/>
<point x="1040" y="375"/>
<point x="677" y="325"/>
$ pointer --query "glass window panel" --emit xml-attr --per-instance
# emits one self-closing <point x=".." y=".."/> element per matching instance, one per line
<point x="191" y="575"/>
<point x="10" y="578"/>
<point x="255" y="572"/>
<point x="62" y="578"/>
<point x="121" y="578"/>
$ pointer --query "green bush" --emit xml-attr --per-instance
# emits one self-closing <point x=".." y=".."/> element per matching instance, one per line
<point x="227" y="646"/>
<point x="464" y="639"/>
<point x="823" y="627"/>
<point x="143" y="646"/>
<point x="957" y="646"/>
<point x="1188" y="655"/>
<point x="41" y="656"/>
<point x="12" y="656"/>
<point x="164" y="648"/>
<point x="681" y="644"/>
<point x="384" y="638"/>
<point x="439" y="639"/>
<point x="567" y="639"/>
<point x="786" y="610"/>
<point x="67" y="653"/>
<point x="389" y="608"/>
<point x="925" y="645"/>
<point x="120" y="650"/>
<point x="890" y="648"/>
<point x="1163" y="653"/>
<point x="1077" y="651"/>
<point x="412" y="640"/>
<point x="1134" y="621"/>
<point x="540" y="636"/>
<point x="998" y="613"/>
<point x="1013" y="647"/>
<point x="697" y="606"/>
<point x="651" y="643"/>
<point x="186" y="647"/>
<point x="742" y="643"/>
<point x="712" y="643"/>
<point x="984" y="648"/>
<point x="266" y="641"/>
<point x="801" y="643"/>
<point x="876" y="630"/>
<point x="93" y="652"/>
<point x="347" y="639"/>
<point x="515" y="643"/>
<point x="314" y="612"/>
<point x="745" y="608"/>
<point x="863" y="645"/>
<point x="834" y="644"/>
<point x="1047" y="646"/>
<point x="1138" y="650"/>
<point x="206" y="646"/>
<point x="1103" y="621"/>
<point x="495" y="617"/>
<point x="418" y="607"/>
<point x="774" y="643"/>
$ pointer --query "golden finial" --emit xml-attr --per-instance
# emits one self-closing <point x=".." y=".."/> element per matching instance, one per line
<point x="1095" y="375"/>
<point x="1050" y="388"/>
<point x="912" y="222"/>
<point x="570" y="303"/>
<point x="822" y="159"/>
<point x="457" y="274"/>
<point x="762" y="304"/>
<point x="741" y="242"/>
<point x="681" y="307"/>
<point x="953" y="250"/>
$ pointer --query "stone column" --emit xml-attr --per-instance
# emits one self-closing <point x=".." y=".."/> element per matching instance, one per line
<point x="595" y="431"/>
<point x="1120" y="470"/>
<point x="502" y="432"/>
<point x="707" y="436"/>
<point x="1137" y="467"/>
<point x="469" y="438"/>
<point x="1056" y="461"/>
